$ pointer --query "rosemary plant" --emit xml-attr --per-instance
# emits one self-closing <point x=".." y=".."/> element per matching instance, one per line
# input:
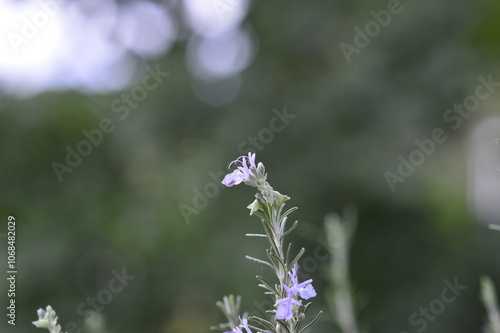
<point x="288" y="294"/>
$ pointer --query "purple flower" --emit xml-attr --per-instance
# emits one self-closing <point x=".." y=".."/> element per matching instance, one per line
<point x="234" y="178"/>
<point x="242" y="172"/>
<point x="285" y="305"/>
<point x="305" y="289"/>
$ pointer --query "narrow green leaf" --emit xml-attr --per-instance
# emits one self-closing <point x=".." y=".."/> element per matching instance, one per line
<point x="259" y="261"/>
<point x="306" y="307"/>
<point x="264" y="323"/>
<point x="267" y="284"/>
<point x="260" y="215"/>
<point x="312" y="322"/>
<point x="273" y="259"/>
<point x="265" y="208"/>
<point x="255" y="235"/>
<point x="288" y="212"/>
<point x="283" y="324"/>
<point x="276" y="259"/>
<point x="287" y="257"/>
<point x="296" y="326"/>
<point x="270" y="237"/>
<point x="294" y="261"/>
<point x="294" y="225"/>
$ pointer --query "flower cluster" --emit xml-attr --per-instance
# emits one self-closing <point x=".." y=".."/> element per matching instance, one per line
<point x="285" y="305"/>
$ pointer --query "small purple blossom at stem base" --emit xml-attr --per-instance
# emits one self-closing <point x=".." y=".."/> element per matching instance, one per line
<point x="285" y="307"/>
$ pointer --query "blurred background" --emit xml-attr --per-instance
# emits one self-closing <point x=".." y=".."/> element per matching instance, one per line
<point x="119" y="118"/>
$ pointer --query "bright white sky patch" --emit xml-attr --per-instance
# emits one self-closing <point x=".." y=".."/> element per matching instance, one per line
<point x="145" y="28"/>
<point x="212" y="17"/>
<point x="29" y="41"/>
<point x="221" y="56"/>
<point x="93" y="45"/>
<point x="53" y="44"/>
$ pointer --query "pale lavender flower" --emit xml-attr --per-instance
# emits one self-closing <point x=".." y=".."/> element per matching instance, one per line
<point x="285" y="305"/>
<point x="242" y="172"/>
<point x="234" y="178"/>
<point x="305" y="289"/>
<point x="307" y="292"/>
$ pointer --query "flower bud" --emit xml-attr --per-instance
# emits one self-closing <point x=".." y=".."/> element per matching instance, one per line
<point x="254" y="206"/>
